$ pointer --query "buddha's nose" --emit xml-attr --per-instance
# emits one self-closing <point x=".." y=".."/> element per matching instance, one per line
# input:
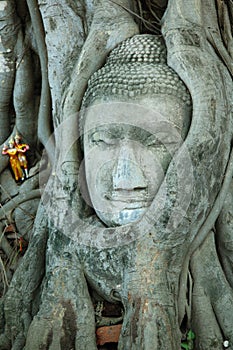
<point x="127" y="174"/>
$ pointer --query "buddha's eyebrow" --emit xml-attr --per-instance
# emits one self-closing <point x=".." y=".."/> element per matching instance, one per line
<point x="121" y="131"/>
<point x="108" y="130"/>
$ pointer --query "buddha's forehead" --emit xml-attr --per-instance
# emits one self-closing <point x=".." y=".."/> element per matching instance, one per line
<point x="159" y="112"/>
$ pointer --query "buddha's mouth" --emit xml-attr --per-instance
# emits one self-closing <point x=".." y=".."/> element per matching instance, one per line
<point x="129" y="199"/>
<point x="135" y="205"/>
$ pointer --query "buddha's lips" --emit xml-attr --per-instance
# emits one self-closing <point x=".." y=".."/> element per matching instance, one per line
<point x="130" y="202"/>
<point x="135" y="205"/>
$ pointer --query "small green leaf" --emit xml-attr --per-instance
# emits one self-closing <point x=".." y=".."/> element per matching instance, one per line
<point x="190" y="335"/>
<point x="188" y="344"/>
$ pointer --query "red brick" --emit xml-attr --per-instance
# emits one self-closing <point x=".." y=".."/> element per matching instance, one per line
<point x="108" y="334"/>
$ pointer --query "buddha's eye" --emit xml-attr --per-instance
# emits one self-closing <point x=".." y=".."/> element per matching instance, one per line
<point x="152" y="142"/>
<point x="102" y="139"/>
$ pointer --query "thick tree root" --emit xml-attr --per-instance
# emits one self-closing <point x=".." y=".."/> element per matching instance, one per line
<point x="147" y="325"/>
<point x="22" y="298"/>
<point x="44" y="116"/>
<point x="212" y="299"/>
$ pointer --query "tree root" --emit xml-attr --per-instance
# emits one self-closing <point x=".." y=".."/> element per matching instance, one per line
<point x="8" y="35"/>
<point x="224" y="237"/>
<point x="212" y="297"/>
<point x="22" y="298"/>
<point x="214" y="33"/>
<point x="66" y="315"/>
<point x="44" y="116"/>
<point x="225" y="19"/>
<point x="147" y="325"/>
<point x="6" y="210"/>
<point x="111" y="24"/>
<point x="23" y="94"/>
<point x="204" y="231"/>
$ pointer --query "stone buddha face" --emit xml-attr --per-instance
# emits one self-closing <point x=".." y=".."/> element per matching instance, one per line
<point x="127" y="149"/>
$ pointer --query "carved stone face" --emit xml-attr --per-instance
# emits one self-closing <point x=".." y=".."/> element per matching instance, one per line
<point x="127" y="150"/>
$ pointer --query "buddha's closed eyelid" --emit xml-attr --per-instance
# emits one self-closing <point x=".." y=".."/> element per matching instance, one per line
<point x="103" y="138"/>
<point x="152" y="141"/>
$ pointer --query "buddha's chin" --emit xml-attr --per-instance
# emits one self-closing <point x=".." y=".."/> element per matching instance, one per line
<point x="123" y="217"/>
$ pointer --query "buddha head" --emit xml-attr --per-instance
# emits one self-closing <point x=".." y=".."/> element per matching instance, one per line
<point x="136" y="112"/>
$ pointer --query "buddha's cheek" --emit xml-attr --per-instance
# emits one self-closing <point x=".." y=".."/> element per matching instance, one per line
<point x="99" y="181"/>
<point x="154" y="165"/>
